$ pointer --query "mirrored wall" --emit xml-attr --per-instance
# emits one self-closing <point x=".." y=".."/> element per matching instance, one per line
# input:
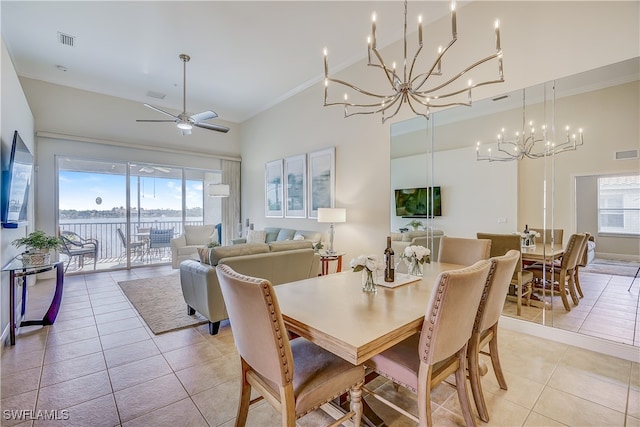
<point x="550" y="192"/>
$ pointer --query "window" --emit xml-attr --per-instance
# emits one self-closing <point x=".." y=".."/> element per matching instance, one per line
<point x="619" y="204"/>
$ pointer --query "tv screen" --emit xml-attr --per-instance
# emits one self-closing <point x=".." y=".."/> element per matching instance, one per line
<point x="16" y="181"/>
<point x="416" y="202"/>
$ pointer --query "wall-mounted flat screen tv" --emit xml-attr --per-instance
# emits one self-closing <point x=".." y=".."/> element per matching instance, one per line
<point x="416" y="202"/>
<point x="16" y="181"/>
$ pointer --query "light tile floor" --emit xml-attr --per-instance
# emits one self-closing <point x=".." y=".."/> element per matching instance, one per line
<point x="99" y="365"/>
<point x="610" y="309"/>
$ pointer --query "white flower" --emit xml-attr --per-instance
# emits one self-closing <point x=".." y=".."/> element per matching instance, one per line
<point x="370" y="262"/>
<point x="416" y="251"/>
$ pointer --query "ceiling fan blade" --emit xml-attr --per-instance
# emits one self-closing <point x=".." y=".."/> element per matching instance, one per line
<point x="160" y="111"/>
<point x="217" y="128"/>
<point x="205" y="115"/>
<point x="156" y="121"/>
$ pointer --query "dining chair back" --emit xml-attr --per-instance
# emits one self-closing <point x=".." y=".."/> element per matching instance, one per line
<point x="160" y="238"/>
<point x="75" y="246"/>
<point x="456" y="250"/>
<point x="485" y="328"/>
<point x="422" y="361"/>
<point x="582" y="262"/>
<point x="556" y="233"/>
<point x="296" y="377"/>
<point x="563" y="278"/>
<point x="522" y="281"/>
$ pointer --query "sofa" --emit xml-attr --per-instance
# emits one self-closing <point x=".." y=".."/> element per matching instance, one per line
<point x="276" y="234"/>
<point x="194" y="237"/>
<point x="399" y="241"/>
<point x="279" y="262"/>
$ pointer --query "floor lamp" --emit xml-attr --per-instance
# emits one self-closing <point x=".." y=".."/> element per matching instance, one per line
<point x="332" y="216"/>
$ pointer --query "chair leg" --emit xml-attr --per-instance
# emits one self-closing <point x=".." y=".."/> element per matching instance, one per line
<point x="577" y="282"/>
<point x="461" y="387"/>
<point x="245" y="397"/>
<point x="424" y="397"/>
<point x="562" y="285"/>
<point x="214" y="327"/>
<point x="572" y="288"/>
<point x="473" y="353"/>
<point x="495" y="358"/>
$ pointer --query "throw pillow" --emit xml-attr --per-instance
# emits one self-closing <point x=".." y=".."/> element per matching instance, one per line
<point x="285" y="234"/>
<point x="298" y="237"/>
<point x="205" y="255"/>
<point x="256" y="236"/>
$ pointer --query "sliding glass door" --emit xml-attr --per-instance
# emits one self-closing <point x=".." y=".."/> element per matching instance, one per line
<point x="131" y="209"/>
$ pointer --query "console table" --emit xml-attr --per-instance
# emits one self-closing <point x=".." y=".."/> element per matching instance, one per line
<point x="18" y="271"/>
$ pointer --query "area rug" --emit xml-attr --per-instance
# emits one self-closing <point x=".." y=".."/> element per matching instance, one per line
<point x="160" y="302"/>
<point x="612" y="266"/>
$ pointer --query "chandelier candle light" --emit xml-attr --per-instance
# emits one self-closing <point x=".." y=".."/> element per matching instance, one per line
<point x="411" y="87"/>
<point x="531" y="146"/>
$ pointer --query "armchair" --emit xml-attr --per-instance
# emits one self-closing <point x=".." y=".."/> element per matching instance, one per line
<point x="186" y="245"/>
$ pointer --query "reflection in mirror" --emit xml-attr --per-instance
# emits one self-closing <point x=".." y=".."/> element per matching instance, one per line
<point x="556" y="192"/>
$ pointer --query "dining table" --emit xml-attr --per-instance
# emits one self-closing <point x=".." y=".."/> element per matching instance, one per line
<point x="542" y="253"/>
<point x="333" y="312"/>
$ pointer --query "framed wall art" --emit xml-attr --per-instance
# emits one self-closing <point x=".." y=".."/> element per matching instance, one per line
<point x="295" y="186"/>
<point x="273" y="189"/>
<point x="322" y="181"/>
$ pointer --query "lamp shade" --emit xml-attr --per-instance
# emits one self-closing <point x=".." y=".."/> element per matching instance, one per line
<point x="219" y="190"/>
<point x="332" y="215"/>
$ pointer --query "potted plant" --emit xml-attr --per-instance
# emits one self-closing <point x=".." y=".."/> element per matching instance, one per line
<point x="415" y="224"/>
<point x="39" y="245"/>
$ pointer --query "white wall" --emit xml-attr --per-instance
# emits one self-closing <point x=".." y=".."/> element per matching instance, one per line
<point x="15" y="115"/>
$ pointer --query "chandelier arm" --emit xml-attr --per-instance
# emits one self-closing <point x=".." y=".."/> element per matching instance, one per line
<point x="390" y="76"/>
<point x="357" y="89"/>
<point x="460" y="74"/>
<point x="466" y="89"/>
<point x="382" y="107"/>
<point x="436" y="63"/>
<point x="385" y="118"/>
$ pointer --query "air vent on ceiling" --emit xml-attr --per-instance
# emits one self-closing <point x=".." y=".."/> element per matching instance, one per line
<point x="625" y="155"/>
<point x="157" y="95"/>
<point x="66" y="39"/>
<point x="499" y="98"/>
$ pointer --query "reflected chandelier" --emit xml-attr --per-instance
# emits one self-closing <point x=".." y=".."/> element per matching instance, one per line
<point x="530" y="146"/>
<point x="411" y="87"/>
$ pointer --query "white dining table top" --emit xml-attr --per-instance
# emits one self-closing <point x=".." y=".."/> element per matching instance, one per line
<point x="333" y="311"/>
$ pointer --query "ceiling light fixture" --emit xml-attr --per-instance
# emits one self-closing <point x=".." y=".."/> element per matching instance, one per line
<point x="410" y="87"/>
<point x="531" y="146"/>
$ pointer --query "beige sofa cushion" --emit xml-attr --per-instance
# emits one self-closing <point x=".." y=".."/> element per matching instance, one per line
<point x="287" y="245"/>
<point x="214" y="255"/>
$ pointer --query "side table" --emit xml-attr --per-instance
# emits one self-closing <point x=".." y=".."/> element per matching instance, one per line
<point x="326" y="257"/>
<point x="19" y="271"/>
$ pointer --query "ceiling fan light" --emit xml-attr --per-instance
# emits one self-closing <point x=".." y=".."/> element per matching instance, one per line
<point x="184" y="125"/>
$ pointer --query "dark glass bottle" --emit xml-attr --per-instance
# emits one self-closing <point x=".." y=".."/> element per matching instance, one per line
<point x="526" y="229"/>
<point x="389" y="268"/>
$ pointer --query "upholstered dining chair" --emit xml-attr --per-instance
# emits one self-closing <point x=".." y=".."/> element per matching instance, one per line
<point x="456" y="250"/>
<point x="563" y="274"/>
<point x="295" y="376"/>
<point x="424" y="360"/>
<point x="582" y="262"/>
<point x="485" y="328"/>
<point x="521" y="280"/>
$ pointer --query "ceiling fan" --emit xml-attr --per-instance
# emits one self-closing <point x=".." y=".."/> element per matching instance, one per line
<point x="186" y="122"/>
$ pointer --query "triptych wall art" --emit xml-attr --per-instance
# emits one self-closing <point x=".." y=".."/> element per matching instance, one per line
<point x="296" y="186"/>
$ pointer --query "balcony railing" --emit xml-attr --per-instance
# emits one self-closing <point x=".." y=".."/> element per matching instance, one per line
<point x="111" y="248"/>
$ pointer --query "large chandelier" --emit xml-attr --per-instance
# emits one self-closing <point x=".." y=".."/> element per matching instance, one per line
<point x="533" y="146"/>
<point x="413" y="87"/>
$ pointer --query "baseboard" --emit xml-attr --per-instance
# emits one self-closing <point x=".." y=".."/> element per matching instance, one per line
<point x="600" y="345"/>
<point x="622" y="257"/>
